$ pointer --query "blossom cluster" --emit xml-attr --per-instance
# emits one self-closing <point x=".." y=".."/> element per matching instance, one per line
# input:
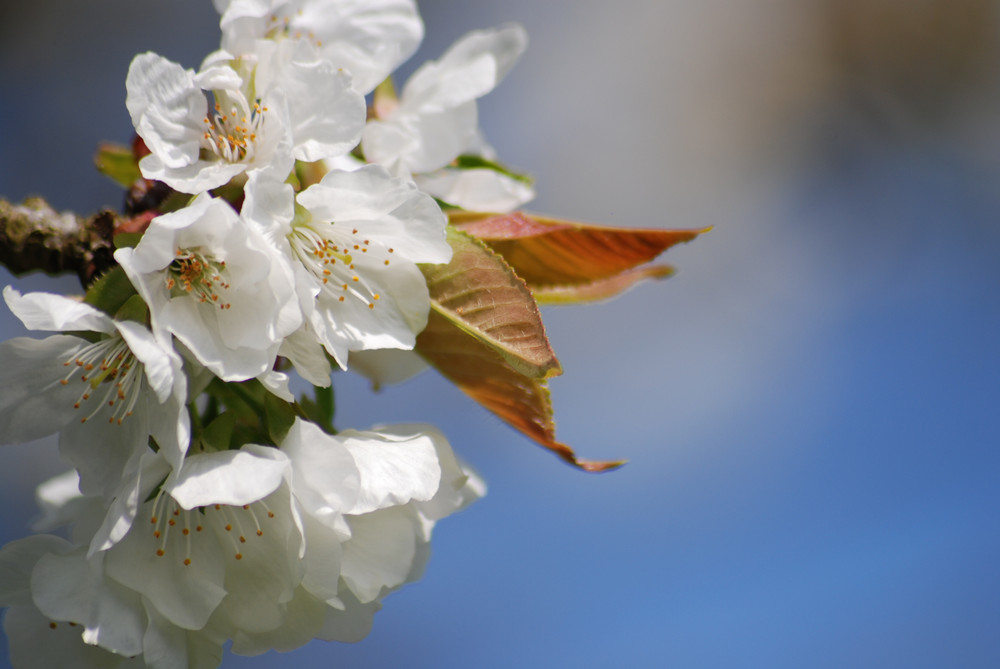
<point x="291" y="223"/>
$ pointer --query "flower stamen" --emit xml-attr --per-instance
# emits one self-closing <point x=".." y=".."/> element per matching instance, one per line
<point x="195" y="274"/>
<point x="233" y="136"/>
<point x="112" y="376"/>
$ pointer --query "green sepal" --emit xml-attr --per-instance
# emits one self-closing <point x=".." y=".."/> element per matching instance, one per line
<point x="446" y="206"/>
<point x="127" y="240"/>
<point x="279" y="415"/>
<point x="219" y="434"/>
<point x="118" y="163"/>
<point x="231" y="191"/>
<point x="239" y="398"/>
<point x="470" y="162"/>
<point x="134" y="309"/>
<point x="384" y="98"/>
<point x="155" y="490"/>
<point x="110" y="292"/>
<point x="321" y="409"/>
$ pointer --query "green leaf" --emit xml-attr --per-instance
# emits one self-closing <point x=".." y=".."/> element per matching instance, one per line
<point x="118" y="163"/>
<point x="279" y="415"/>
<point x="480" y="294"/>
<point x="110" y="292"/>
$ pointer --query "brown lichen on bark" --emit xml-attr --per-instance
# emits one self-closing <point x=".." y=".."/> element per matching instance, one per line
<point x="34" y="236"/>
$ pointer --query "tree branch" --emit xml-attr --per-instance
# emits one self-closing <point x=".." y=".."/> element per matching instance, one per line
<point x="34" y="236"/>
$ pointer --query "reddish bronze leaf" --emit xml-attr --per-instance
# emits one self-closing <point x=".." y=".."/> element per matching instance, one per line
<point x="484" y="334"/>
<point x="601" y="289"/>
<point x="480" y="294"/>
<point x="551" y="252"/>
<point x="485" y="376"/>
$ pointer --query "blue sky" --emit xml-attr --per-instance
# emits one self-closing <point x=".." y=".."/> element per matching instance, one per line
<point x="807" y="407"/>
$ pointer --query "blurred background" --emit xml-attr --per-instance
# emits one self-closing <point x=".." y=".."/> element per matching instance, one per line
<point x="808" y="407"/>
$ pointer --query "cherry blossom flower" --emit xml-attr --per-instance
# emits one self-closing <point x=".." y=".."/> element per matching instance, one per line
<point x="268" y="547"/>
<point x="436" y="120"/>
<point x="325" y="114"/>
<point x="65" y="612"/>
<point x="193" y="148"/>
<point x="354" y="239"/>
<point x="217" y="285"/>
<point x="107" y="388"/>
<point x="367" y="38"/>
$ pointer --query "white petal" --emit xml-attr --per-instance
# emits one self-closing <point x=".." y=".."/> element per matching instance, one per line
<point x="328" y="114"/>
<point x="166" y="108"/>
<point x="477" y="189"/>
<point x="438" y="87"/>
<point x="197" y="177"/>
<point x="504" y="45"/>
<point x="269" y="205"/>
<point x="33" y="402"/>
<point x="380" y="553"/>
<point x="166" y="646"/>
<point x="231" y="477"/>
<point x="73" y="588"/>
<point x="58" y="500"/>
<point x="102" y="452"/>
<point x="277" y="384"/>
<point x="394" y="470"/>
<point x="368" y="38"/>
<point x="306" y="354"/>
<point x="55" y="313"/>
<point x="387" y="366"/>
<point x="238" y="334"/>
<point x="219" y="77"/>
<point x="19" y="557"/>
<point x="321" y="561"/>
<point x="161" y="364"/>
<point x="134" y="489"/>
<point x="264" y="579"/>
<point x="324" y="474"/>
<point x="391" y="210"/>
<point x="353" y="623"/>
<point x="35" y="645"/>
<point x="185" y="594"/>
<point x="303" y="620"/>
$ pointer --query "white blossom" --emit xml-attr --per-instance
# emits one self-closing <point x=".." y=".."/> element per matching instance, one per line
<point x="269" y="547"/>
<point x="106" y="392"/>
<point x="436" y="118"/>
<point x="325" y="114"/>
<point x="217" y="285"/>
<point x="193" y="147"/>
<point x="355" y="239"/>
<point x="367" y="38"/>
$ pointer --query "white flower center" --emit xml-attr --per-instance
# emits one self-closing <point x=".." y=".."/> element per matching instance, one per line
<point x="192" y="273"/>
<point x="233" y="135"/>
<point x="328" y="254"/>
<point x="235" y="522"/>
<point x="108" y="374"/>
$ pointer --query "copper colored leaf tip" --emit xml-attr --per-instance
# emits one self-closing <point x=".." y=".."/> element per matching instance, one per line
<point x="552" y="252"/>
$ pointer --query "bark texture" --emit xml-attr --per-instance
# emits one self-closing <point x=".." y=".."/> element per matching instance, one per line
<point x="34" y="236"/>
